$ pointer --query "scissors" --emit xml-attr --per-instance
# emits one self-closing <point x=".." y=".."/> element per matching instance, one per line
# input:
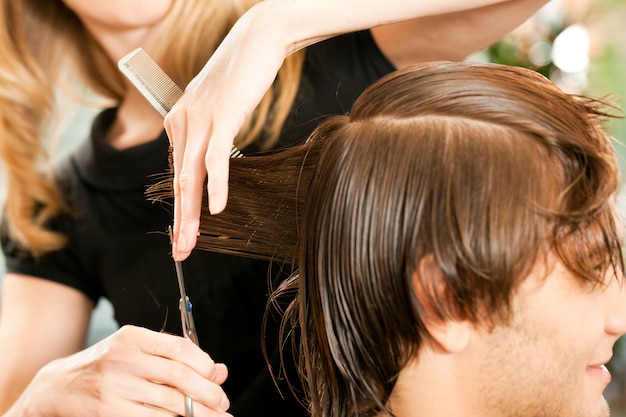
<point x="186" y="318"/>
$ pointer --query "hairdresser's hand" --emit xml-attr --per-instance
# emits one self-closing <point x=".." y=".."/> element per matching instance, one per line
<point x="134" y="372"/>
<point x="205" y="121"/>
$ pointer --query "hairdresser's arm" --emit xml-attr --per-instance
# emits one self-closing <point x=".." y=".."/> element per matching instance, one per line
<point x="39" y="321"/>
<point x="205" y="121"/>
<point x="451" y="36"/>
<point x="129" y="373"/>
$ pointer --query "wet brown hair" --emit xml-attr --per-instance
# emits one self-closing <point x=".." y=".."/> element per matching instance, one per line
<point x="484" y="168"/>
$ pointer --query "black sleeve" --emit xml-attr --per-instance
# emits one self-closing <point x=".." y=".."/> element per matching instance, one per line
<point x="335" y="73"/>
<point x="353" y="58"/>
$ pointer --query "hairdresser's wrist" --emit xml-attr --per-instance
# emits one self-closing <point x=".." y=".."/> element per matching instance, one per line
<point x="300" y="23"/>
<point x="278" y="20"/>
<point x="25" y="407"/>
<point x="43" y="397"/>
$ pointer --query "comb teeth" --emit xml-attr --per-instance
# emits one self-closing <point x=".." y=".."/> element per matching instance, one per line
<point x="154" y="84"/>
<point x="150" y="80"/>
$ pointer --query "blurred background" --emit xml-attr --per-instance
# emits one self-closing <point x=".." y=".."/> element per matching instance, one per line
<point x="579" y="44"/>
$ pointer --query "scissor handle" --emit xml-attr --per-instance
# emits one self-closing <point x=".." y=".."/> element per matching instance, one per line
<point x="188" y="407"/>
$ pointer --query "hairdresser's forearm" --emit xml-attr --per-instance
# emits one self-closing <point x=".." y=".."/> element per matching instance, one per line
<point x="305" y="22"/>
<point x="22" y="409"/>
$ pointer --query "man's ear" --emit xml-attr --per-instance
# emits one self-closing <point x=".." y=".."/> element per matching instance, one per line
<point x="437" y="309"/>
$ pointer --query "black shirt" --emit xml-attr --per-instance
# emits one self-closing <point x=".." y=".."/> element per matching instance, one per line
<point x="118" y="247"/>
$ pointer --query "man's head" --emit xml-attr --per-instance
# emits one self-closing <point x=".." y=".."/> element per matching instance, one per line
<point x="450" y="189"/>
<point x="455" y="235"/>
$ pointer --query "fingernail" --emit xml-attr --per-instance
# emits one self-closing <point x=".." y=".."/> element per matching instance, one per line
<point x="225" y="404"/>
<point x="182" y="243"/>
<point x="215" y="204"/>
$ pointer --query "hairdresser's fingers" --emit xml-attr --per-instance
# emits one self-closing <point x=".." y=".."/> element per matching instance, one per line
<point x="175" y="348"/>
<point x="221" y="373"/>
<point x="175" y="362"/>
<point x="191" y="183"/>
<point x="166" y="398"/>
<point x="189" y="174"/>
<point x="175" y="128"/>
<point x="200" y="140"/>
<point x="121" y="396"/>
<point x="147" y="410"/>
<point x="132" y="366"/>
<point x="212" y="110"/>
<point x="250" y="76"/>
<point x="168" y="382"/>
<point x="137" y="349"/>
<point x="217" y="160"/>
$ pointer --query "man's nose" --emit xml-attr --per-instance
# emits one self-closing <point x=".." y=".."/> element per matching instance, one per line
<point x="616" y="317"/>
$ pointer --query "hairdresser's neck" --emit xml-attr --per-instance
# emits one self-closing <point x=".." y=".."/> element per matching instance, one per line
<point x="136" y="122"/>
<point x="433" y="385"/>
<point x="116" y="41"/>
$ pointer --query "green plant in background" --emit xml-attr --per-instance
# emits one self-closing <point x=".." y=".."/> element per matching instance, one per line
<point x="607" y="76"/>
<point x="530" y="48"/>
<point x="601" y="61"/>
